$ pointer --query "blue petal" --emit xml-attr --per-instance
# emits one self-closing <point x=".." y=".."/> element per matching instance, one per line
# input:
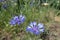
<point x="29" y="29"/>
<point x="15" y="18"/>
<point x="22" y="18"/>
<point x="41" y="30"/>
<point x="33" y="24"/>
<point x="12" y="22"/>
<point x="40" y="25"/>
<point x="18" y="23"/>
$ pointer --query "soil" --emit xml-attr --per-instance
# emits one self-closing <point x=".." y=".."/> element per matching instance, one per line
<point x="54" y="31"/>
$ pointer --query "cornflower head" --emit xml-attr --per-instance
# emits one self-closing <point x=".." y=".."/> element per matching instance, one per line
<point x="2" y="0"/>
<point x="35" y="28"/>
<point x="17" y="20"/>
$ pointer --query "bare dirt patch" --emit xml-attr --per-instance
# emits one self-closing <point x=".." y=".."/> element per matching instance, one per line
<point x="54" y="31"/>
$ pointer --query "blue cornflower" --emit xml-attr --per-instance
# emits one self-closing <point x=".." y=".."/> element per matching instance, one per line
<point x="2" y="0"/>
<point x="17" y="20"/>
<point x="35" y="28"/>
